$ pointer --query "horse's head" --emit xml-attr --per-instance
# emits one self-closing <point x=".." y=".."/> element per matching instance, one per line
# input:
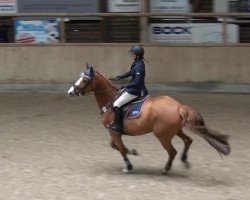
<point x="83" y="85"/>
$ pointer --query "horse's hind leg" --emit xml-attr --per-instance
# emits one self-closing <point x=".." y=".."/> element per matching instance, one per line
<point x="187" y="142"/>
<point x="123" y="150"/>
<point x="128" y="151"/>
<point x="167" y="144"/>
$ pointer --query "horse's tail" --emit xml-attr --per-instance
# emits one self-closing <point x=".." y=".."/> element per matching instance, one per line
<point x="195" y="122"/>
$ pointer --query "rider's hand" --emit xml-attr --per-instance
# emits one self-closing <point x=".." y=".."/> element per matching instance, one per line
<point x="117" y="78"/>
<point x="123" y="87"/>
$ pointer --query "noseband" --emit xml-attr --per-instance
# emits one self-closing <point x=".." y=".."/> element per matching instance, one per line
<point x="78" y="90"/>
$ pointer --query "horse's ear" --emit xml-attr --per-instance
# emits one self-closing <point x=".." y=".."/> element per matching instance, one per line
<point x="92" y="72"/>
<point x="87" y="65"/>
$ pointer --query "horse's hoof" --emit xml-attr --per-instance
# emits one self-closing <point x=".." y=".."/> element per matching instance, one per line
<point x="185" y="161"/>
<point x="166" y="170"/>
<point x="187" y="165"/>
<point x="128" y="169"/>
<point x="134" y="152"/>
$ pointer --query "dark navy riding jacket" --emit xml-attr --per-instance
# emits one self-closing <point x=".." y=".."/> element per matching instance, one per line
<point x="136" y="86"/>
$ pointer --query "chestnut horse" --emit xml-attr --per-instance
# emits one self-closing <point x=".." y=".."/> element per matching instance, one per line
<point x="162" y="115"/>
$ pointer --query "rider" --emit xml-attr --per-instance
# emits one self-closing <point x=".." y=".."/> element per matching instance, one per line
<point x="135" y="88"/>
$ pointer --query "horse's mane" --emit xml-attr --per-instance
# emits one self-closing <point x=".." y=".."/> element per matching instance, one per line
<point x="110" y="83"/>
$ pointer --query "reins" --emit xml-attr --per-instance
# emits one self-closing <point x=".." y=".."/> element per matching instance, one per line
<point x="99" y="92"/>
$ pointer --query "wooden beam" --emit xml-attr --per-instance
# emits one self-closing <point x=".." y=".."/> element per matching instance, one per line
<point x="142" y="14"/>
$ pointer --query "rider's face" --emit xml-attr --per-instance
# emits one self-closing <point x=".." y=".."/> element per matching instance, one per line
<point x="133" y="56"/>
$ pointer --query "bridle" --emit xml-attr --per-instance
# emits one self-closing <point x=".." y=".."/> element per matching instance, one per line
<point x="83" y="93"/>
<point x="80" y="92"/>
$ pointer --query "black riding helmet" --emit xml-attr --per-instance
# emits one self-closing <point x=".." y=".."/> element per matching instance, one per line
<point x="137" y="50"/>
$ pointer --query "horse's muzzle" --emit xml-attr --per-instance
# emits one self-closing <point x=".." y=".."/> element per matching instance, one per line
<point x="71" y="92"/>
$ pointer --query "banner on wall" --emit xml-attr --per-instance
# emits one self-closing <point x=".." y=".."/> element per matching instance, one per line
<point x="8" y="6"/>
<point x="39" y="31"/>
<point x="124" y="5"/>
<point x="192" y="33"/>
<point x="170" y="6"/>
<point x="58" y="6"/>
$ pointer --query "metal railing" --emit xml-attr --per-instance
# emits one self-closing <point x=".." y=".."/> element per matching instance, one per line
<point x="142" y="15"/>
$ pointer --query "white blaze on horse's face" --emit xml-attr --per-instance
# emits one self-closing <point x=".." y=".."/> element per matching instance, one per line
<point x="71" y="91"/>
<point x="79" y="87"/>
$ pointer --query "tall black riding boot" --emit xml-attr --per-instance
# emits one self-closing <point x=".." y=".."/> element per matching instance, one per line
<point x="117" y="124"/>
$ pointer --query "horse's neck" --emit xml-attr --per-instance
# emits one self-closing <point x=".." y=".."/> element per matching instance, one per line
<point x="104" y="91"/>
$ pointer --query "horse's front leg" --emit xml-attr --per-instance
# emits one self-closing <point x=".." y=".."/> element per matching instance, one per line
<point x="128" y="151"/>
<point x="123" y="150"/>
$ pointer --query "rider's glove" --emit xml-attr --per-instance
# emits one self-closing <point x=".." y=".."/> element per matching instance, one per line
<point x="117" y="78"/>
<point x="123" y="87"/>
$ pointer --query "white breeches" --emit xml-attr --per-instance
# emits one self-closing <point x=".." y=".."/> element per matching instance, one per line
<point x="123" y="99"/>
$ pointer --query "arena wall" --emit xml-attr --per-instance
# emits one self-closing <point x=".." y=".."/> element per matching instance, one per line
<point x="166" y="63"/>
